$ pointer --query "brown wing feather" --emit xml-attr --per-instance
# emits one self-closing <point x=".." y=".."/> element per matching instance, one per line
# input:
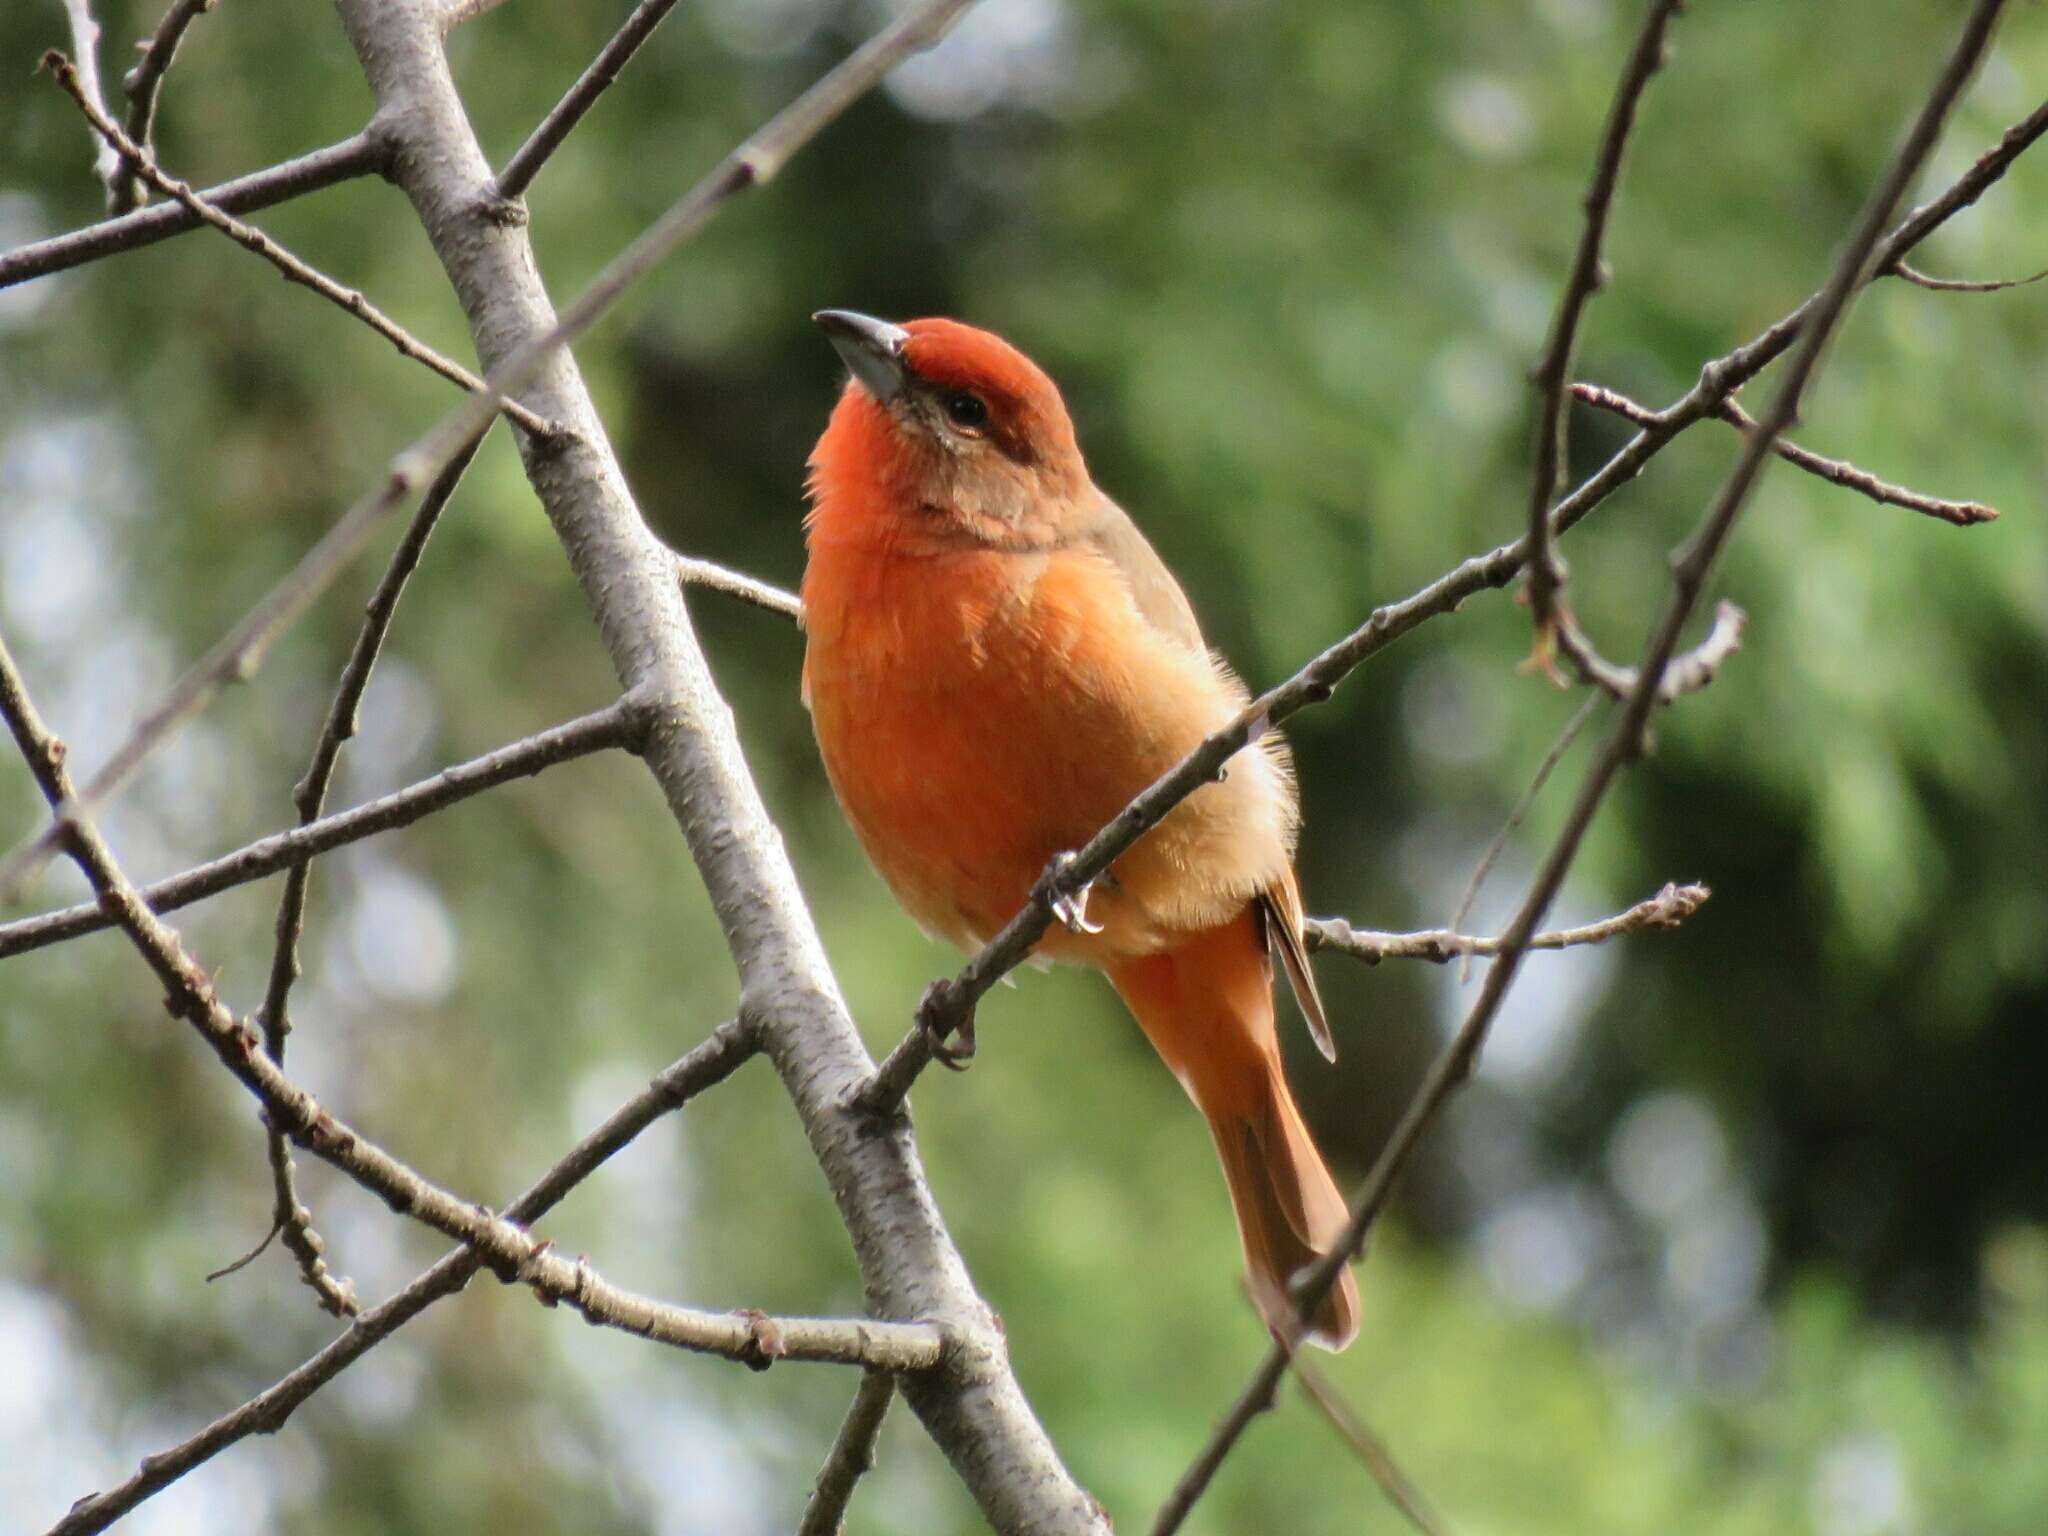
<point x="1112" y="534"/>
<point x="1159" y="597"/>
<point x="1281" y="907"/>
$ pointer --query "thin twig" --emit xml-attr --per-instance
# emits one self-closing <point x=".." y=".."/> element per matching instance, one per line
<point x="1624" y="743"/>
<point x="1959" y="285"/>
<point x="1687" y="673"/>
<point x="705" y="1066"/>
<point x="292" y="1219"/>
<point x="1369" y="1448"/>
<point x="141" y="85"/>
<point x="527" y="160"/>
<point x="236" y="1266"/>
<point x="85" y="42"/>
<point x="506" y="1247"/>
<point x="288" y="1215"/>
<point x="702" y="573"/>
<point x="361" y="155"/>
<point x="1667" y="909"/>
<point x="752" y="164"/>
<point x="1963" y="514"/>
<point x="616" y="726"/>
<point x="1554" y="368"/>
<point x="292" y="267"/>
<point x="852" y="1456"/>
<point x="1523" y="806"/>
<point x="1726" y="374"/>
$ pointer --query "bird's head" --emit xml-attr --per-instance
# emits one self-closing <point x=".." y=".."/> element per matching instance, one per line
<point x="945" y="435"/>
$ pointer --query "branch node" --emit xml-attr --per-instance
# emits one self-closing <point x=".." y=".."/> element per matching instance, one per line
<point x="943" y="1013"/>
<point x="501" y="212"/>
<point x="530" y="1271"/>
<point x="765" y="1343"/>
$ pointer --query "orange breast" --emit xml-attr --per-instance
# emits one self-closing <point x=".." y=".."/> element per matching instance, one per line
<point x="979" y="712"/>
<point x="937" y="728"/>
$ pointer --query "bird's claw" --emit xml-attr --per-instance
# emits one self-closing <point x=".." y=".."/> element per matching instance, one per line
<point x="1072" y="910"/>
<point x="952" y="1043"/>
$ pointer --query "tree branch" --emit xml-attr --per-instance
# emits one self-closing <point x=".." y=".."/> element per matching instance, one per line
<point x="852" y="1456"/>
<point x="1624" y="743"/>
<point x="1548" y="766"/>
<point x="1667" y="909"/>
<point x="1687" y="673"/>
<point x="288" y="1216"/>
<point x="909" y="1267"/>
<point x="1920" y="279"/>
<point x="710" y="1063"/>
<point x="1726" y="374"/>
<point x="616" y="726"/>
<point x="353" y="157"/>
<point x="1554" y="368"/>
<point x="85" y="42"/>
<point x="294" y="270"/>
<point x="141" y="85"/>
<point x="545" y="139"/>
<point x="309" y="797"/>
<point x="1963" y="514"/>
<point x="702" y="573"/>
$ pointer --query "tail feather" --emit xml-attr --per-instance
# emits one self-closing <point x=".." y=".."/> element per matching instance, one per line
<point x="1207" y="1007"/>
<point x="1289" y="1214"/>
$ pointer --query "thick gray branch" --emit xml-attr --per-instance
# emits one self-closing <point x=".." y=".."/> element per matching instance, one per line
<point x="908" y="1263"/>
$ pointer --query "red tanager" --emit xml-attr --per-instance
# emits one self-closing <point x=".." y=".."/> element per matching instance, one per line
<point x="997" y="662"/>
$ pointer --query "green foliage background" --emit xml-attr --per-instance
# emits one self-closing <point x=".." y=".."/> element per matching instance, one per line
<point x="1743" y="1229"/>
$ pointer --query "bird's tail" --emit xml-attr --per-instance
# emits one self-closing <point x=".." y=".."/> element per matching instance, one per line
<point x="1207" y="1007"/>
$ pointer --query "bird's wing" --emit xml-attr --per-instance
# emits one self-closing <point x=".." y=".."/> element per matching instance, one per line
<point x="1281" y="907"/>
<point x="1112" y="534"/>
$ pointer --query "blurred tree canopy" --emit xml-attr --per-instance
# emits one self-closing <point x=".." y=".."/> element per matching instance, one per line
<point x="1744" y="1229"/>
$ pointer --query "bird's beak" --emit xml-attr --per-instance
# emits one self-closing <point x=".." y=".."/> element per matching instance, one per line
<point x="873" y="349"/>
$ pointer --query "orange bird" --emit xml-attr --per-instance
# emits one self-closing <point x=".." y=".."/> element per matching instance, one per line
<point x="996" y="664"/>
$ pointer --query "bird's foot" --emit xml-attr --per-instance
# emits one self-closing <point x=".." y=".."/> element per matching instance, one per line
<point x="1072" y="910"/>
<point x="949" y="1029"/>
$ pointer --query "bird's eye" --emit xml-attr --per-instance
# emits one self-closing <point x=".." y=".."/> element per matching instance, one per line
<point x="965" y="410"/>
